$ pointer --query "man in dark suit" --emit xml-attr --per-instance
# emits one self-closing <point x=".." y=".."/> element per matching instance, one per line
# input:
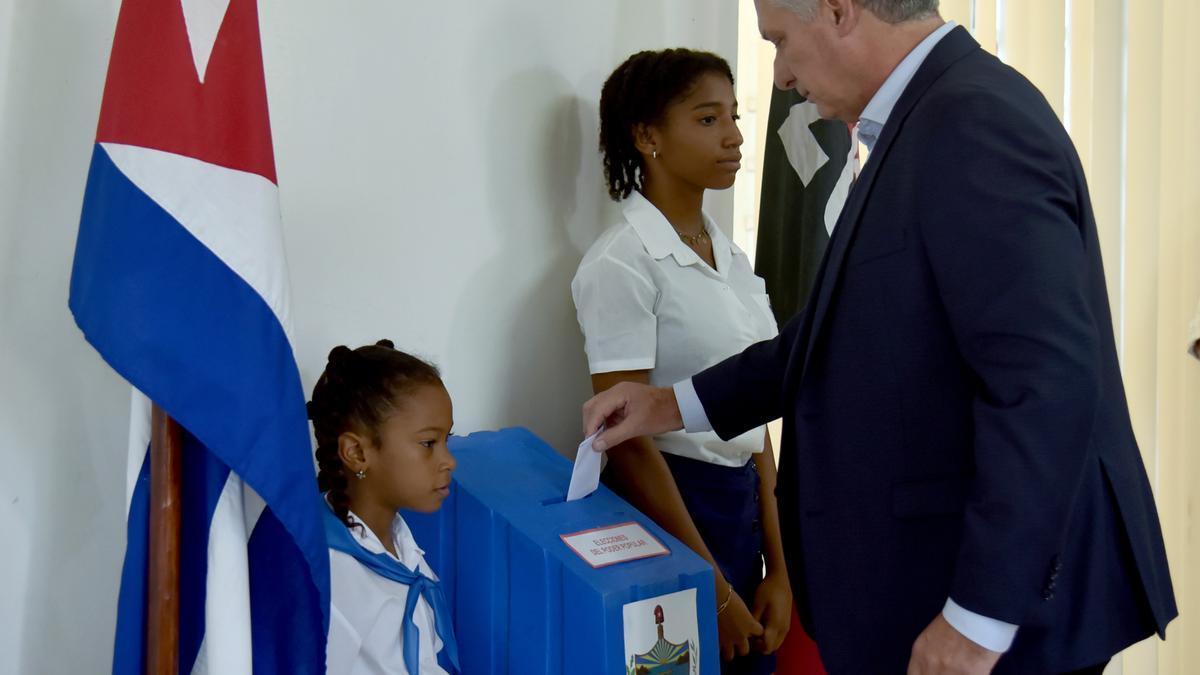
<point x="959" y="484"/>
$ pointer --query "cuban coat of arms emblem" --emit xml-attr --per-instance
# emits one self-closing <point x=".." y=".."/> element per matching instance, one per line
<point x="665" y="657"/>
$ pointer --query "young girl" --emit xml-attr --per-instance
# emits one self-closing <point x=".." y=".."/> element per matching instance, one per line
<point x="662" y="295"/>
<point x="381" y="418"/>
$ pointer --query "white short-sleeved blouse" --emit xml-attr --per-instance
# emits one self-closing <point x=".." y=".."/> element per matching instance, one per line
<point x="646" y="301"/>
<point x="367" y="610"/>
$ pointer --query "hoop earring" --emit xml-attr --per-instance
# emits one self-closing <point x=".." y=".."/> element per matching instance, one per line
<point x="654" y="154"/>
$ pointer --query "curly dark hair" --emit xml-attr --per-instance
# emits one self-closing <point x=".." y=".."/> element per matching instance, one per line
<point x="355" y="393"/>
<point x="639" y="92"/>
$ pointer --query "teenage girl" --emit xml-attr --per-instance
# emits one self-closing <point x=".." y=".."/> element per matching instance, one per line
<point x="664" y="294"/>
<point x="381" y="419"/>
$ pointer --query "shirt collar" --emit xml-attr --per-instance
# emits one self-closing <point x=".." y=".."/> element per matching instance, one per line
<point x="662" y="240"/>
<point x="406" y="546"/>
<point x="875" y="115"/>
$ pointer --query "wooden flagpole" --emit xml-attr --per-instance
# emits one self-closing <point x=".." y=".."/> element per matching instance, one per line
<point x="166" y="519"/>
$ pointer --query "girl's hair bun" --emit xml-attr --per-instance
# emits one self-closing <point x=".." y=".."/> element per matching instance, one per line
<point x="386" y="343"/>
<point x="340" y="355"/>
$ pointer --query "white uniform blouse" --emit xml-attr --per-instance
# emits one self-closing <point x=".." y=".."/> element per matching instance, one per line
<point x="646" y="301"/>
<point x="366" y="610"/>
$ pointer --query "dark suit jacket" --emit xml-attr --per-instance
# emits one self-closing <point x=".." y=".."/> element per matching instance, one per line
<point x="955" y="421"/>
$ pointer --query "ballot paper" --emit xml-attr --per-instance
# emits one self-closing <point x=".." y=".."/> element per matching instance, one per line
<point x="585" y="477"/>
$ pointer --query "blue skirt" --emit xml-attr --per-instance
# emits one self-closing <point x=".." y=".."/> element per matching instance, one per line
<point x="723" y="503"/>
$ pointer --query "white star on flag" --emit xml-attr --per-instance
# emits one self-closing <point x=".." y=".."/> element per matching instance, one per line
<point x="806" y="156"/>
<point x="203" y="20"/>
<point x="803" y="151"/>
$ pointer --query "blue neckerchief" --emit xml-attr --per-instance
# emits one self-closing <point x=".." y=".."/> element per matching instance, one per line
<point x="339" y="538"/>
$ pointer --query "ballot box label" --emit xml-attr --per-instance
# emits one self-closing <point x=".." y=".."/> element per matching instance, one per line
<point x="662" y="636"/>
<point x="612" y="544"/>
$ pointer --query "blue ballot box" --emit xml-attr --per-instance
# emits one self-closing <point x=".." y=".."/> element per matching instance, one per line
<point x="526" y="602"/>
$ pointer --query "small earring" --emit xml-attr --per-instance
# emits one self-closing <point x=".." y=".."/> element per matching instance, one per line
<point x="654" y="154"/>
<point x="361" y="474"/>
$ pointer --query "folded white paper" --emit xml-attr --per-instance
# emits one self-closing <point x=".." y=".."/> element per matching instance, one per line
<point x="585" y="477"/>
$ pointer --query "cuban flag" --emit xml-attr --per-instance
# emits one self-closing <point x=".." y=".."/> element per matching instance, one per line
<point x="179" y="282"/>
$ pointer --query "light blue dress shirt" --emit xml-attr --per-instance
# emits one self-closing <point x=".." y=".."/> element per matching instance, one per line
<point x="986" y="632"/>
<point x="879" y="109"/>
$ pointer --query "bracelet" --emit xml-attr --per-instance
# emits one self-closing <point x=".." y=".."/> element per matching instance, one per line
<point x="725" y="604"/>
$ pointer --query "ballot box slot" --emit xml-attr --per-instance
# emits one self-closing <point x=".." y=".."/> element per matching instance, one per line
<point x="563" y="500"/>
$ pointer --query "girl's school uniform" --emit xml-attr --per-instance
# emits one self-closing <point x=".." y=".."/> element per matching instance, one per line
<point x="367" y="630"/>
<point x="646" y="301"/>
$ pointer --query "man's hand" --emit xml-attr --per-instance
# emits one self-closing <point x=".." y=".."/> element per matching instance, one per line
<point x="942" y="650"/>
<point x="629" y="410"/>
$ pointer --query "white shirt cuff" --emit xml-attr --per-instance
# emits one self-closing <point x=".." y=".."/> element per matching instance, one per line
<point x="690" y="407"/>
<point x="988" y="633"/>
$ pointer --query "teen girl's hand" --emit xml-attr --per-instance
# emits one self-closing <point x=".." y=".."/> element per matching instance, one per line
<point x="737" y="628"/>
<point x="773" y="609"/>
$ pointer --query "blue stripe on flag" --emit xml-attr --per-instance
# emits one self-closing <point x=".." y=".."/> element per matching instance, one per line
<point x="129" y="648"/>
<point x="275" y="565"/>
<point x="188" y="332"/>
<point x="204" y="478"/>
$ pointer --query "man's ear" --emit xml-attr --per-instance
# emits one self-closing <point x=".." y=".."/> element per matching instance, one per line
<point x="843" y="14"/>
<point x="352" y="452"/>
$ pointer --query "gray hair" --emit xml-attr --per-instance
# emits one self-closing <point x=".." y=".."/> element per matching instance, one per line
<point x="891" y="11"/>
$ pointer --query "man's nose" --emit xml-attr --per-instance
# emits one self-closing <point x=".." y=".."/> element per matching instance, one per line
<point x="783" y="77"/>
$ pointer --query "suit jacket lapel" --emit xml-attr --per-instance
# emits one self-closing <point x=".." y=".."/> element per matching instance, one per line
<point x="955" y="45"/>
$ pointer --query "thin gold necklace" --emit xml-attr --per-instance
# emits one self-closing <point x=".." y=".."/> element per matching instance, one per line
<point x="692" y="240"/>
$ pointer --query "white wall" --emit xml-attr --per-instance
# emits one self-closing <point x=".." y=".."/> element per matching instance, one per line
<point x="439" y="182"/>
